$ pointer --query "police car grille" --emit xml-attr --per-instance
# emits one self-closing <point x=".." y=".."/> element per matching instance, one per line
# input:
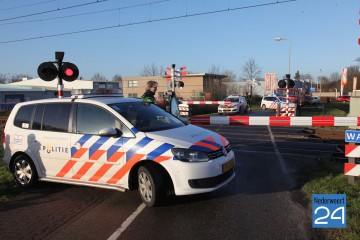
<point x="211" y="181"/>
<point x="219" y="153"/>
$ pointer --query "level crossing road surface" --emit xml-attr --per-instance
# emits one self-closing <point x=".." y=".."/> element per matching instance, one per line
<point x="262" y="202"/>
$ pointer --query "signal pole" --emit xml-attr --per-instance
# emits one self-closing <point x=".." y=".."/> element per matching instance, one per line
<point x="59" y="56"/>
<point x="287" y="94"/>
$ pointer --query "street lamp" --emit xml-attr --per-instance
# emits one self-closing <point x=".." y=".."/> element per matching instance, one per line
<point x="281" y="39"/>
<point x="287" y="76"/>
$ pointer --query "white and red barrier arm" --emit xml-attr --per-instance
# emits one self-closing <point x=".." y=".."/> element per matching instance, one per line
<point x="206" y="102"/>
<point x="321" y="121"/>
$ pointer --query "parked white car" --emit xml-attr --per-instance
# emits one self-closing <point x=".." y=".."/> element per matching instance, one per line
<point x="238" y="105"/>
<point x="271" y="102"/>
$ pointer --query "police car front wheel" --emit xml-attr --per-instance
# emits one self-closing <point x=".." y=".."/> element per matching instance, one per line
<point x="150" y="186"/>
<point x="24" y="171"/>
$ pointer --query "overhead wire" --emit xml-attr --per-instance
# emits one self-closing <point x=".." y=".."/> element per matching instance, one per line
<point x="83" y="14"/>
<point x="27" y="5"/>
<point x="53" y="10"/>
<point x="149" y="21"/>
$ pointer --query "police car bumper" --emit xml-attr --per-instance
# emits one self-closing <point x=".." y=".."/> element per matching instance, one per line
<point x="202" y="177"/>
<point x="227" y="110"/>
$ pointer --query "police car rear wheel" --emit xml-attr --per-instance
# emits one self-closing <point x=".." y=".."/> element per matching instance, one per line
<point x="263" y="107"/>
<point x="24" y="171"/>
<point x="150" y="186"/>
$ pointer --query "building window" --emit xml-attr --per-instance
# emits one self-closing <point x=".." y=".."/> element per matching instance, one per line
<point x="133" y="83"/>
<point x="133" y="95"/>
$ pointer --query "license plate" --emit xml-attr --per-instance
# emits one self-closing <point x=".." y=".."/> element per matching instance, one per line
<point x="228" y="165"/>
<point x="227" y="109"/>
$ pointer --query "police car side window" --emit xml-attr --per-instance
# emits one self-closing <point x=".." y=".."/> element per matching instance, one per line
<point x="23" y="116"/>
<point x="56" y="117"/>
<point x="38" y="116"/>
<point x="91" y="119"/>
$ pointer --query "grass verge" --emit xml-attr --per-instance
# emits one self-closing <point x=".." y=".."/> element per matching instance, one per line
<point x="330" y="179"/>
<point x="8" y="188"/>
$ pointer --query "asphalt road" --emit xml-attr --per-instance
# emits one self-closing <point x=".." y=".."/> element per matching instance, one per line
<point x="262" y="202"/>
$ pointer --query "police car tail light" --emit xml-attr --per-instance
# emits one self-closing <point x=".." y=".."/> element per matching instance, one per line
<point x="187" y="155"/>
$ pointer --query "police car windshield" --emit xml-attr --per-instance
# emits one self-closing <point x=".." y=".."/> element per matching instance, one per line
<point x="232" y="99"/>
<point x="147" y="117"/>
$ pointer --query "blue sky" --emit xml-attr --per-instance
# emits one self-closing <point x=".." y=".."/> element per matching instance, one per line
<point x="323" y="35"/>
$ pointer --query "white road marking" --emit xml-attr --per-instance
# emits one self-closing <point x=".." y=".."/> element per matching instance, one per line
<point x="277" y="152"/>
<point x="127" y="222"/>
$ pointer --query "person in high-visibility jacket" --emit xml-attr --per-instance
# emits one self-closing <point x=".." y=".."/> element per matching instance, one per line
<point x="248" y="100"/>
<point x="149" y="95"/>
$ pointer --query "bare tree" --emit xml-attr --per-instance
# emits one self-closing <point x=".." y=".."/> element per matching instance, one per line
<point x="306" y="76"/>
<point x="324" y="83"/>
<point x="3" y="78"/>
<point x="230" y="83"/>
<point x="231" y="76"/>
<point x="98" y="77"/>
<point x="118" y="78"/>
<point x="235" y="88"/>
<point x="352" y="71"/>
<point x="251" y="70"/>
<point x="214" y="70"/>
<point x="18" y="77"/>
<point x="214" y="84"/>
<point x="358" y="61"/>
<point x="152" y="70"/>
<point x="335" y="77"/>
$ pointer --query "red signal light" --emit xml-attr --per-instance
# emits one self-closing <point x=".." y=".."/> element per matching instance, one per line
<point x="69" y="71"/>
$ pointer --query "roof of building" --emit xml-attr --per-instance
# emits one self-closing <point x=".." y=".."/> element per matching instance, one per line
<point x="52" y="85"/>
<point x="10" y="88"/>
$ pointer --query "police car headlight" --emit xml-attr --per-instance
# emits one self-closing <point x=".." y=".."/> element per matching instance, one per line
<point x="188" y="155"/>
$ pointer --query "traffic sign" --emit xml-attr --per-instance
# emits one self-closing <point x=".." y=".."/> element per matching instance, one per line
<point x="352" y="136"/>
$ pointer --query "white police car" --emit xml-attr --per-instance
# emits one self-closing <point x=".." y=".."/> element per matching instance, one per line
<point x="237" y="104"/>
<point x="272" y="102"/>
<point x="116" y="143"/>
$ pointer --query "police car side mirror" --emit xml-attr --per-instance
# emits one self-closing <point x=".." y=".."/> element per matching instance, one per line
<point x="110" y="132"/>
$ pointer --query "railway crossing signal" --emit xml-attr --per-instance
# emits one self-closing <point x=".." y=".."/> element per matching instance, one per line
<point x="174" y="77"/>
<point x="283" y="83"/>
<point x="47" y="71"/>
<point x="67" y="71"/>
